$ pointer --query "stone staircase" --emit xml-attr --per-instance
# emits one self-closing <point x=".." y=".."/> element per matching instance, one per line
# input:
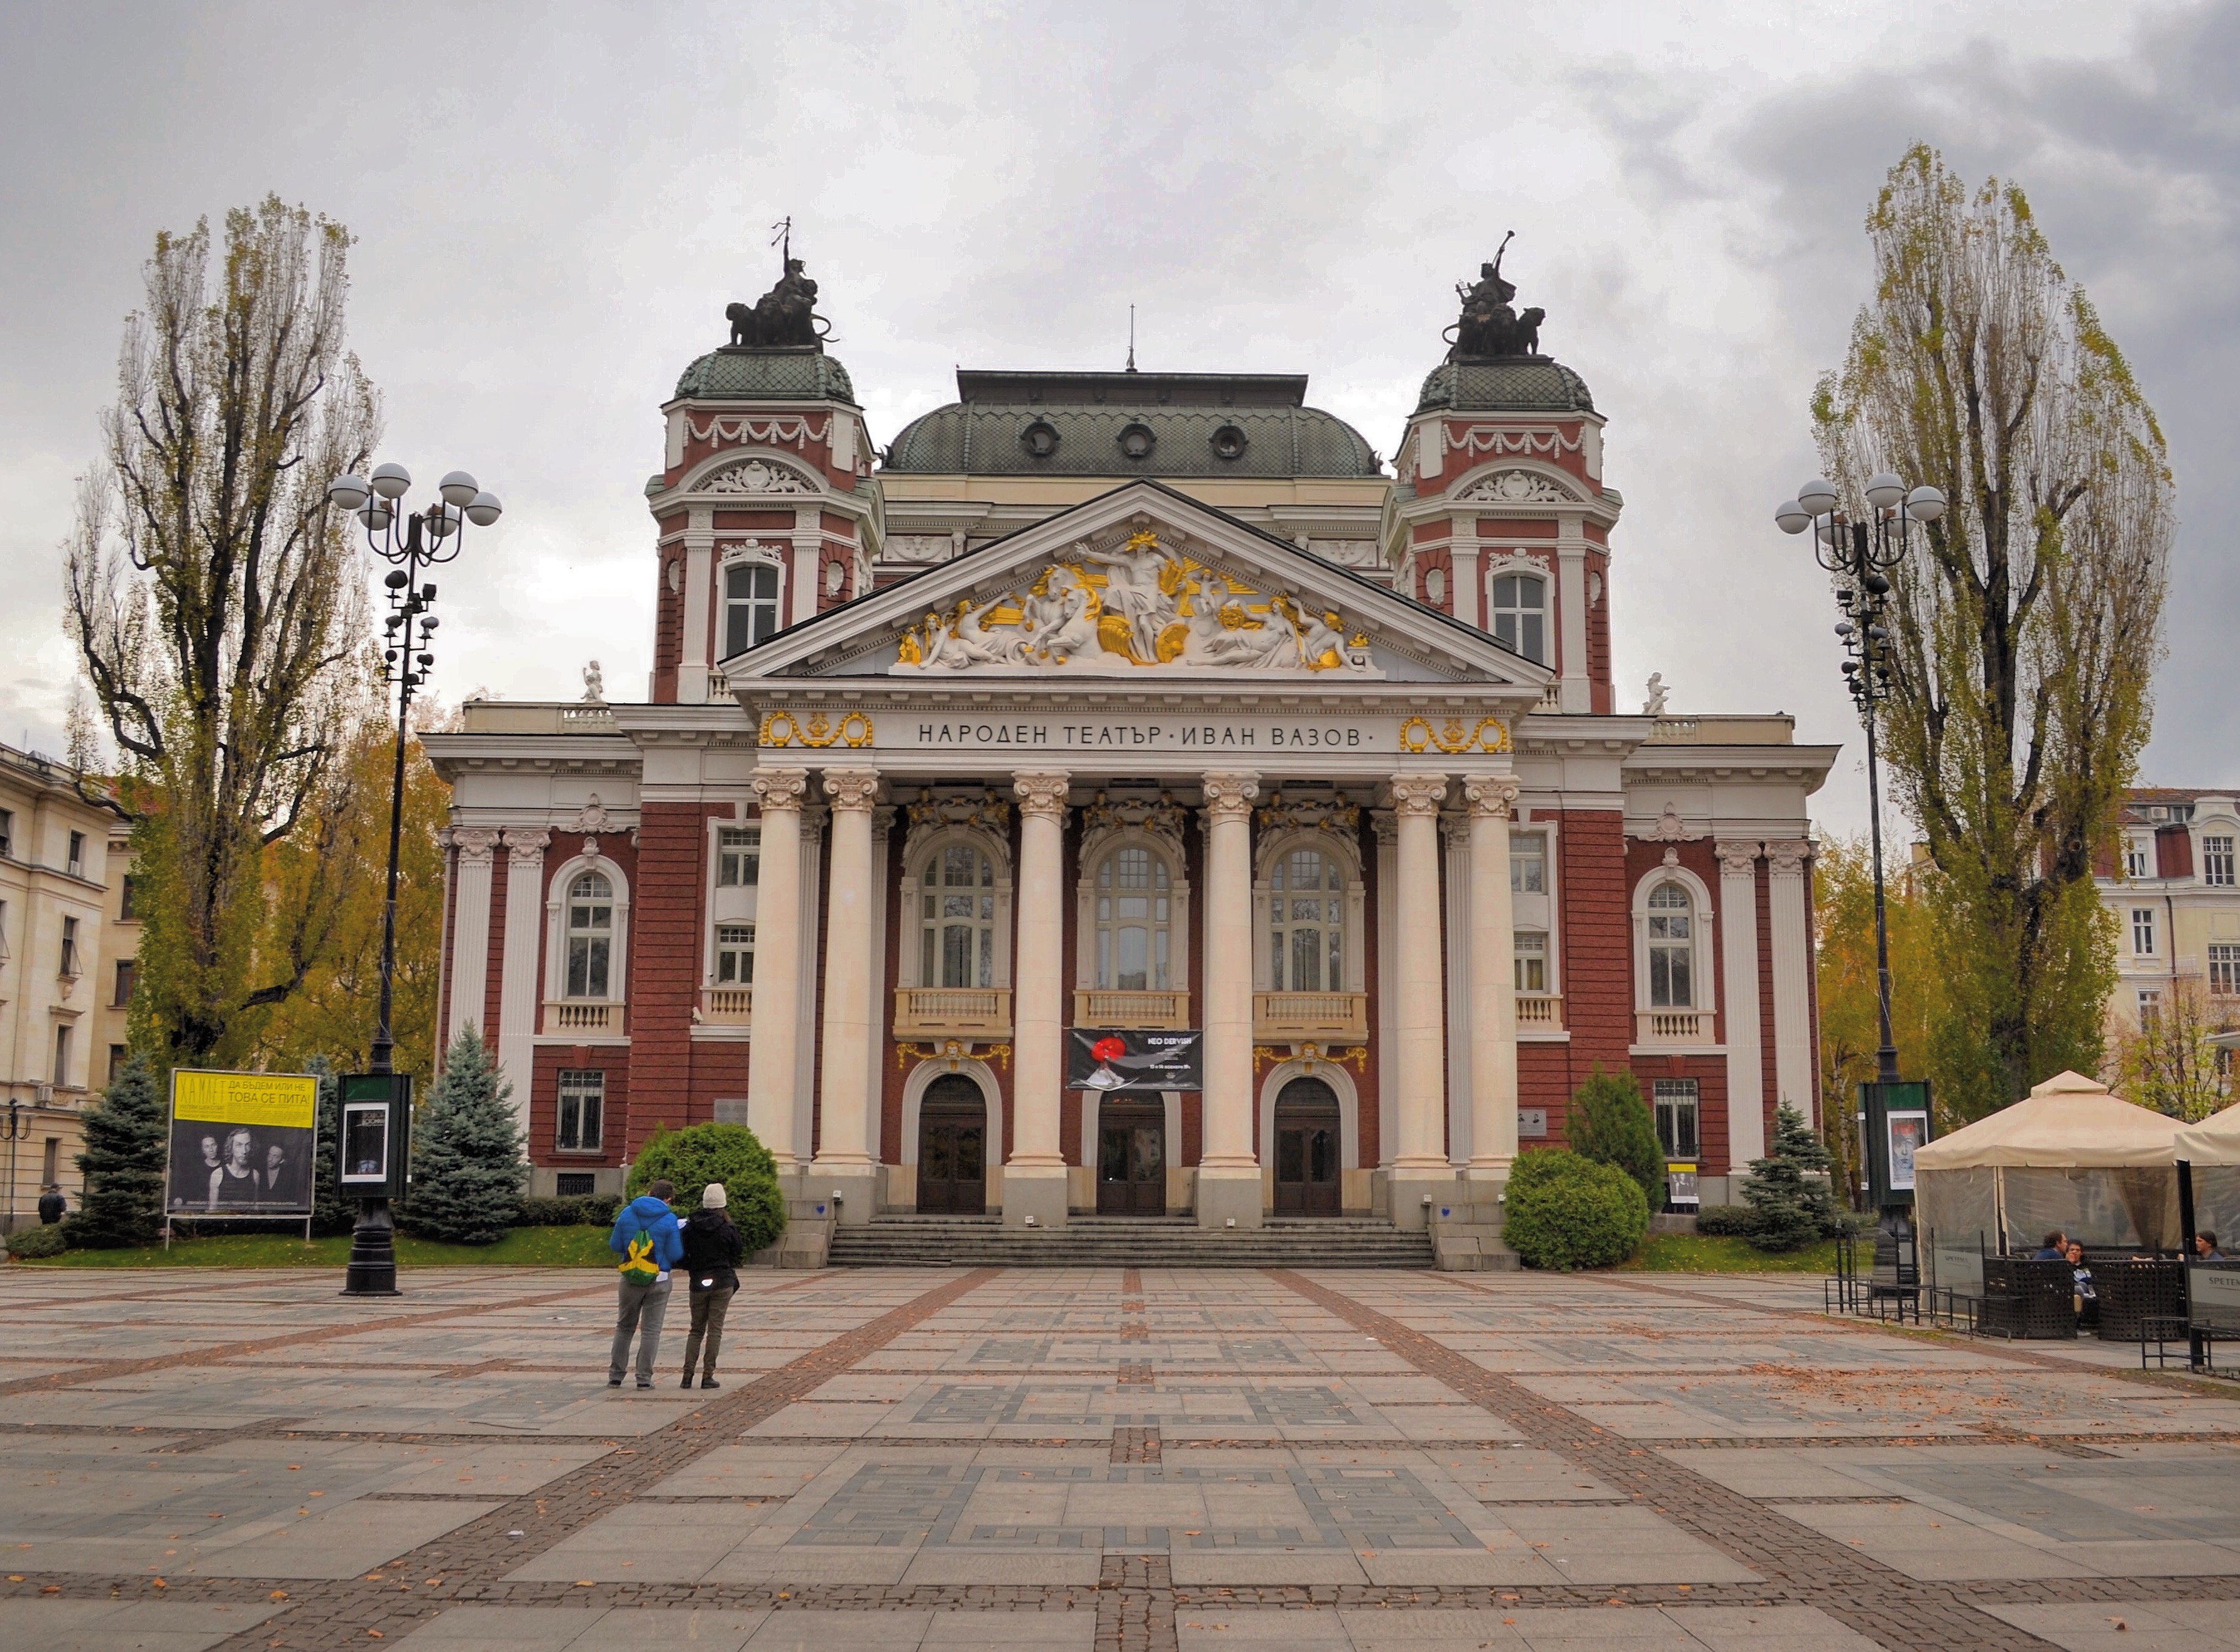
<point x="1127" y="1242"/>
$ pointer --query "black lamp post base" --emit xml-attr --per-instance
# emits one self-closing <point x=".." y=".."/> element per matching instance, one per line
<point x="372" y="1270"/>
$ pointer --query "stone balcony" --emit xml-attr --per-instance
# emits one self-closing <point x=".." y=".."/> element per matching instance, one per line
<point x="732" y="1006"/>
<point x="1539" y="1012"/>
<point x="1150" y="1011"/>
<point x="1673" y="1027"/>
<point x="952" y="1012"/>
<point x="600" y="1016"/>
<point x="1310" y="1018"/>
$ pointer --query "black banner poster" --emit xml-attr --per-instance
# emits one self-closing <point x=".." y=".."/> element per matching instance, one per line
<point x="242" y="1143"/>
<point x="1134" y="1061"/>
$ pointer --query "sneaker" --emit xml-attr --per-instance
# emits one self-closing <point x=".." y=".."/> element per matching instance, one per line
<point x="710" y="1382"/>
<point x="687" y="1383"/>
<point x="645" y="1385"/>
<point x="614" y="1382"/>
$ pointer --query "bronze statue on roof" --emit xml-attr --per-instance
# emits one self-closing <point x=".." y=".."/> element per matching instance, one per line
<point x="1488" y="326"/>
<point x="785" y="317"/>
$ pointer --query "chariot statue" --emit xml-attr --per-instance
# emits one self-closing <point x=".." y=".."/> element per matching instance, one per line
<point x="1488" y="325"/>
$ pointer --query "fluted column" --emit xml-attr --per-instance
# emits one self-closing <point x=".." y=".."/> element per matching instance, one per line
<point x="1787" y="909"/>
<point x="470" y="932"/>
<point x="1229" y="1169"/>
<point x="1492" y="800"/>
<point x="519" y="1005"/>
<point x="1738" y="934"/>
<point x="770" y="1073"/>
<point x="844" y="1158"/>
<point x="1422" y="1159"/>
<point x="1033" y="1174"/>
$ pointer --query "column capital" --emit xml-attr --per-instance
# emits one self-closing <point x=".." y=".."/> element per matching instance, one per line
<point x="1455" y="825"/>
<point x="1737" y="857"/>
<point x="474" y="844"/>
<point x="852" y="790"/>
<point x="1384" y="825"/>
<point x="1786" y="856"/>
<point x="1418" y="795"/>
<point x="1229" y="796"/>
<point x="776" y="788"/>
<point x="1043" y="794"/>
<point x="526" y="848"/>
<point x="1491" y="796"/>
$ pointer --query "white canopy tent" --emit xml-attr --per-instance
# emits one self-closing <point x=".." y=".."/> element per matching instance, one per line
<point x="2213" y="1148"/>
<point x="2070" y="1155"/>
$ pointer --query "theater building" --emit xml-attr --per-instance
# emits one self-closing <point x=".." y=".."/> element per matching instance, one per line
<point x="1145" y="714"/>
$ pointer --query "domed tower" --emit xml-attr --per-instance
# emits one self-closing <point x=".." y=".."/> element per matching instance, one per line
<point x="764" y="508"/>
<point x="1500" y="516"/>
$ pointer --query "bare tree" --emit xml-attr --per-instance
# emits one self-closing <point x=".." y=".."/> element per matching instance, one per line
<point x="2171" y="1064"/>
<point x="2028" y="619"/>
<point x="218" y="607"/>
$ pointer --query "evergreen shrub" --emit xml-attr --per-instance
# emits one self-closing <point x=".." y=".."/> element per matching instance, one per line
<point x="45" y="1240"/>
<point x="731" y="1153"/>
<point x="330" y="1212"/>
<point x="1566" y="1211"/>
<point x="467" y="1167"/>
<point x="1611" y="1123"/>
<point x="126" y="1143"/>
<point x="1726" y="1221"/>
<point x="1788" y="1191"/>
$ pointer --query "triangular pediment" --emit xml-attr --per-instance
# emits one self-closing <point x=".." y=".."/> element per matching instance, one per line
<point x="1139" y="585"/>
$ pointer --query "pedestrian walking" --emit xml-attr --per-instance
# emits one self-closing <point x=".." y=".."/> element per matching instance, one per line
<point x="712" y="1253"/>
<point x="52" y="1208"/>
<point x="647" y="1239"/>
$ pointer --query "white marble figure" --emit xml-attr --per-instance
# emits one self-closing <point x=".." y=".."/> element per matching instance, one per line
<point x="1658" y="693"/>
<point x="1135" y="589"/>
<point x="594" y="685"/>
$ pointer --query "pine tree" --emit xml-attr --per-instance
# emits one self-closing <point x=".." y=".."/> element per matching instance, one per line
<point x="122" y="1163"/>
<point x="330" y="1213"/>
<point x="1611" y="1124"/>
<point x="1788" y="1191"/>
<point x="467" y="1168"/>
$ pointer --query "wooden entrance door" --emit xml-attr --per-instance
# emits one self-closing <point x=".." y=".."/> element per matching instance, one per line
<point x="952" y="1148"/>
<point x="1307" y="1141"/>
<point x="1131" y="1159"/>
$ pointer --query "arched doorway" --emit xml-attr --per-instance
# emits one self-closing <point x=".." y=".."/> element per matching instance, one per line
<point x="1132" y="1156"/>
<point x="1308" y="1134"/>
<point x="952" y="1148"/>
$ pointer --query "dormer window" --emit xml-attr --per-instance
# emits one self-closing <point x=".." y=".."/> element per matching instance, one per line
<point x="749" y="606"/>
<point x="1520" y="615"/>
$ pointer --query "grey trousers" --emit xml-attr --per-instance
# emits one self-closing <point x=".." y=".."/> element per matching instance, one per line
<point x="638" y="1307"/>
<point x="709" y="1308"/>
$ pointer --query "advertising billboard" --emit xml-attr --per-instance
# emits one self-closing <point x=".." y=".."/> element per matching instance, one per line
<point x="242" y="1144"/>
<point x="1134" y="1061"/>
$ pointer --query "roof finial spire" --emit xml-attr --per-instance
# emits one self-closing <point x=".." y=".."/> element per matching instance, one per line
<point x="1131" y="338"/>
<point x="781" y="238"/>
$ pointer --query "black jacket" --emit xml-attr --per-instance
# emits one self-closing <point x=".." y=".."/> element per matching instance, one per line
<point x="712" y="1250"/>
<point x="52" y="1208"/>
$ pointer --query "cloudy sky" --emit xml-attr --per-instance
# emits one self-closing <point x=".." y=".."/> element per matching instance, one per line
<point x="553" y="204"/>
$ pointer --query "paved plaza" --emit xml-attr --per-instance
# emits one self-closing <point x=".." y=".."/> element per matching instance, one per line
<point x="1078" y="1459"/>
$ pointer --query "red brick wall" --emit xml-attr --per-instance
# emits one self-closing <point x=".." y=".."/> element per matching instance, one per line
<point x="501" y="871"/>
<point x="667" y="899"/>
<point x="1594" y="915"/>
<point x="1598" y="636"/>
<point x="667" y="623"/>
<point x="544" y="1104"/>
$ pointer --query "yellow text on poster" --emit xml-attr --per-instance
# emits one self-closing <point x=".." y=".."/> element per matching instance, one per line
<point x="278" y="1100"/>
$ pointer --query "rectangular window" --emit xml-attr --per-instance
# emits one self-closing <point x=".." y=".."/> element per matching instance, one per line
<point x="62" y="1057"/>
<point x="69" y="947"/>
<point x="126" y="969"/>
<point x="1531" y="963"/>
<point x="1677" y="1112"/>
<point x="1528" y="863"/>
<point x="115" y="1061"/>
<point x="2217" y="862"/>
<point x="50" y="1162"/>
<point x="2150" y="1006"/>
<point x="128" y="907"/>
<point x="76" y="867"/>
<point x="2224" y="970"/>
<point x="7" y="833"/>
<point x="738" y="856"/>
<point x="3" y="931"/>
<point x="574" y="1184"/>
<point x="583" y="1105"/>
<point x="735" y="954"/>
<point x="2143" y="931"/>
<point x="2135" y="858"/>
<point x="749" y="606"/>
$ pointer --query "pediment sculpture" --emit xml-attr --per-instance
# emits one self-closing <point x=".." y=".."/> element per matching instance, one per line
<point x="1519" y="488"/>
<point x="753" y="475"/>
<point x="1137" y="605"/>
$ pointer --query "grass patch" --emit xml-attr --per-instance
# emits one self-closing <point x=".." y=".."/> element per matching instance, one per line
<point x="1692" y="1253"/>
<point x="521" y="1247"/>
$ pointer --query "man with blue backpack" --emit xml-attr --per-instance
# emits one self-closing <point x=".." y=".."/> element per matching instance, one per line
<point x="647" y="1239"/>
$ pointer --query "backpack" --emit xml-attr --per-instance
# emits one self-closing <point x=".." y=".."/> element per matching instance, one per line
<point x="638" y="1267"/>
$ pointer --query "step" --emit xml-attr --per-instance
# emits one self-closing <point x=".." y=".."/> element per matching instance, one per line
<point x="911" y="1240"/>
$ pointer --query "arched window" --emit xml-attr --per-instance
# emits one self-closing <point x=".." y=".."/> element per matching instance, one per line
<point x="956" y="941"/>
<point x="749" y="606"/>
<point x="1520" y="615"/>
<point x="1671" y="948"/>
<point x="590" y="935"/>
<point x="1306" y="915"/>
<point x="1134" y="909"/>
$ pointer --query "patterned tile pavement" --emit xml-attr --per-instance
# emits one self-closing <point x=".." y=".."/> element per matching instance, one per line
<point x="1090" y="1459"/>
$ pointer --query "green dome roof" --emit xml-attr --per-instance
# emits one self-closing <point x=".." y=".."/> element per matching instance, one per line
<point x="737" y="373"/>
<point x="1505" y="384"/>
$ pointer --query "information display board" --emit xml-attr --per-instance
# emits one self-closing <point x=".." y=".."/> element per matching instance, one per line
<point x="242" y="1144"/>
<point x="1134" y="1061"/>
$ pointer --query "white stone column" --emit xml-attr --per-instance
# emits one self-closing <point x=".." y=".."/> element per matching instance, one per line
<point x="1454" y="914"/>
<point x="1033" y="1174"/>
<point x="843" y="1165"/>
<point x="1469" y="585"/>
<point x="1791" y="962"/>
<point x="470" y="932"/>
<point x="1229" y="1167"/>
<point x="874" y="1042"/>
<point x="1493" y="980"/>
<point x="1385" y="830"/>
<point x="1576" y="687"/>
<point x="700" y="642"/>
<point x="801" y="581"/>
<point x="1737" y="933"/>
<point x="518" y="1005"/>
<point x="1420" y="1166"/>
<point x="771" y="1058"/>
<point x="807" y="928"/>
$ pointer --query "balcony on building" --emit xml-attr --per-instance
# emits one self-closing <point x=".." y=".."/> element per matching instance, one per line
<point x="1538" y="1012"/>
<point x="1114" y="1007"/>
<point x="727" y="1006"/>
<point x="1310" y="1018"/>
<point x="1673" y="1027"/>
<point x="583" y="1016"/>
<point x="952" y="1012"/>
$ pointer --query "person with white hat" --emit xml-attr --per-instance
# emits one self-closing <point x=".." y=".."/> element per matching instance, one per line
<point x="712" y="1253"/>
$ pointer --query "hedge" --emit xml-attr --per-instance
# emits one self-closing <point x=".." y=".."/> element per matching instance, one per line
<point x="1565" y="1211"/>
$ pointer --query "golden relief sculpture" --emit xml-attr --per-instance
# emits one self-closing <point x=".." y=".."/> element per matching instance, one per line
<point x="1137" y="605"/>
<point x="1454" y="734"/>
<point x="816" y="731"/>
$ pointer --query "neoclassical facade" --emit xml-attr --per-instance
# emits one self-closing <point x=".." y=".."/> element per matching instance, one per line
<point x="1105" y="708"/>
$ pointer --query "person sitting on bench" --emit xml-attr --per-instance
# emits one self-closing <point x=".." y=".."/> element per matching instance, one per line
<point x="2087" y="1301"/>
<point x="2204" y="1247"/>
<point x="2056" y="1247"/>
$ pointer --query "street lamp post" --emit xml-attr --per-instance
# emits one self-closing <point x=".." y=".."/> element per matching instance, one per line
<point x="411" y="541"/>
<point x="1859" y="549"/>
